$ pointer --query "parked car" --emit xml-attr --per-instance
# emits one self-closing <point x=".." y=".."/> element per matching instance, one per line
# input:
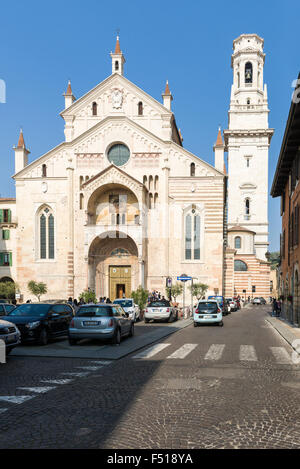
<point x="10" y="334"/>
<point x="221" y="302"/>
<point x="208" y="312"/>
<point x="6" y="308"/>
<point x="263" y="301"/>
<point x="232" y="304"/>
<point x="129" y="307"/>
<point x="256" y="301"/>
<point x="160" y="310"/>
<point x="38" y="322"/>
<point x="100" y="321"/>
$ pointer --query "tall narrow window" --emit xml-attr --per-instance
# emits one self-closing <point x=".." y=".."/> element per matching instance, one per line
<point x="248" y="72"/>
<point x="94" y="109"/>
<point x="193" y="169"/>
<point x="116" y="65"/>
<point x="192" y="235"/>
<point x="46" y="234"/>
<point x="140" y="109"/>
<point x="44" y="171"/>
<point x="237" y="242"/>
<point x="247" y="209"/>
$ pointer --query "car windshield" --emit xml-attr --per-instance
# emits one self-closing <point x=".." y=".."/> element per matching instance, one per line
<point x="124" y="303"/>
<point x="207" y="306"/>
<point x="9" y="308"/>
<point x="161" y="304"/>
<point x="98" y="311"/>
<point x="30" y="310"/>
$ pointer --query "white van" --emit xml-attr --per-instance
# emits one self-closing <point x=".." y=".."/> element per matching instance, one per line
<point x="208" y="312"/>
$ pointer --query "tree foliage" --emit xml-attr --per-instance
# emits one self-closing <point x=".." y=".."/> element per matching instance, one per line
<point x="140" y="297"/>
<point x="274" y="259"/>
<point x="8" y="290"/>
<point x="88" y="296"/>
<point x="37" y="288"/>
<point x="198" y="290"/>
<point x="175" y="290"/>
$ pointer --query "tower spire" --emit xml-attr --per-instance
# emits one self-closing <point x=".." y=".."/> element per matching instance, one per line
<point x="118" y="59"/>
<point x="167" y="97"/>
<point x="69" y="97"/>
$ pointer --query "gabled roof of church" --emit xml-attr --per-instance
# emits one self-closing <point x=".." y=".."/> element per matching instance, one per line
<point x="86" y="183"/>
<point x="112" y="77"/>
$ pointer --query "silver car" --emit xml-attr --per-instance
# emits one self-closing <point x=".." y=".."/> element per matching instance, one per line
<point x="160" y="310"/>
<point x="10" y="334"/>
<point x="100" y="321"/>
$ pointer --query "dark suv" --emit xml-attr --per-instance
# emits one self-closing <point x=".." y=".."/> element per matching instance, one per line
<point x="39" y="322"/>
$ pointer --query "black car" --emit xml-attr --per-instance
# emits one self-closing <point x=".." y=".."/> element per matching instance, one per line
<point x="6" y="308"/>
<point x="39" y="322"/>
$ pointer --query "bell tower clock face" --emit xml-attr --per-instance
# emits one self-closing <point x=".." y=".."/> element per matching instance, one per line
<point x="118" y="154"/>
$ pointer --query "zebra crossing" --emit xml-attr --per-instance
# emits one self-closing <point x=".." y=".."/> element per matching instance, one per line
<point x="215" y="352"/>
<point x="47" y="385"/>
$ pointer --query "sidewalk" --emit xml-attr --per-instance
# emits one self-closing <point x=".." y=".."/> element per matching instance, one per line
<point x="286" y="330"/>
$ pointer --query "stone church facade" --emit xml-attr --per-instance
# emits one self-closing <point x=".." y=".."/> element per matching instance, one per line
<point x="120" y="203"/>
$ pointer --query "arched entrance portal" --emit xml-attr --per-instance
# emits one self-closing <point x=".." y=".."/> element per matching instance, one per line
<point x="113" y="265"/>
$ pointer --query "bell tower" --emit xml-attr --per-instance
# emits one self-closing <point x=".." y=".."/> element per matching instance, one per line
<point x="118" y="59"/>
<point x="247" y="141"/>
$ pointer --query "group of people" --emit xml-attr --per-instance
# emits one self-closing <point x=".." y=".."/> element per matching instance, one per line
<point x="155" y="295"/>
<point x="276" y="307"/>
<point x="76" y="304"/>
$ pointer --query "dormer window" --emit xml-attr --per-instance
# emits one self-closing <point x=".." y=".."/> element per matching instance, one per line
<point x="94" y="109"/>
<point x="140" y="109"/>
<point x="248" y="72"/>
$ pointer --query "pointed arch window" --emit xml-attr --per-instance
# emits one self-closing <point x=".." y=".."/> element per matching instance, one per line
<point x="192" y="235"/>
<point x="94" y="109"/>
<point x="248" y="72"/>
<point x="46" y="233"/>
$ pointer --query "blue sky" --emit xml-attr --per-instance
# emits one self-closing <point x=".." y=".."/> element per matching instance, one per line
<point x="189" y="43"/>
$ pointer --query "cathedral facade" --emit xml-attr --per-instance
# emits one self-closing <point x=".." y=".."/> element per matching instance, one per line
<point x="120" y="203"/>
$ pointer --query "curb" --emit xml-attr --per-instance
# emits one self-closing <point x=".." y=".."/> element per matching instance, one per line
<point x="288" y="336"/>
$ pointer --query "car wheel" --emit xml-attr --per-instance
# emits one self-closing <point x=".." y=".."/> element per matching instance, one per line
<point x="72" y="341"/>
<point x="131" y="332"/>
<point x="221" y="323"/>
<point x="146" y="320"/>
<point x="43" y="339"/>
<point x="117" y="337"/>
<point x="195" y="324"/>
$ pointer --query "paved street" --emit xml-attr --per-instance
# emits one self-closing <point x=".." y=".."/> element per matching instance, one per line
<point x="207" y="387"/>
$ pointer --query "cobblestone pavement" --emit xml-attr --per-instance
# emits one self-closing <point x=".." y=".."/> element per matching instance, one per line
<point x="207" y="387"/>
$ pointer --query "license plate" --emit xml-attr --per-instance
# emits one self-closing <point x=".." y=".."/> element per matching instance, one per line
<point x="155" y="310"/>
<point x="207" y="316"/>
<point x="91" y="323"/>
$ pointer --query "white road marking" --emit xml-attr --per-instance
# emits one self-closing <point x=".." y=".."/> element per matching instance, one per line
<point x="100" y="363"/>
<point x="3" y="410"/>
<point x="76" y="374"/>
<point x="39" y="390"/>
<point x="247" y="353"/>
<point x="89" y="368"/>
<point x="15" y="399"/>
<point x="281" y="355"/>
<point x="183" y="351"/>
<point x="150" y="352"/>
<point x="215" y="352"/>
<point x="57" y="381"/>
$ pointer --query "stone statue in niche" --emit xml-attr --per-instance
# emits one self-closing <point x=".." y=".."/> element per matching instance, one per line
<point x="117" y="98"/>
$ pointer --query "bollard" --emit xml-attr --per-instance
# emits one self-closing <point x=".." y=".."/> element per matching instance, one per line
<point x="2" y="351"/>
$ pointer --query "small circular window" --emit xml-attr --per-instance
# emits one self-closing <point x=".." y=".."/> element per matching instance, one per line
<point x="118" y="154"/>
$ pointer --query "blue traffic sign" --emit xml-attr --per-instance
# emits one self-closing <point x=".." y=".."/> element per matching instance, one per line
<point x="184" y="278"/>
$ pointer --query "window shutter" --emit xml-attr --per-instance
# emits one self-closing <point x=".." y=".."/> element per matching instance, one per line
<point x="1" y="258"/>
<point x="10" y="258"/>
<point x="9" y="216"/>
<point x="1" y="215"/>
